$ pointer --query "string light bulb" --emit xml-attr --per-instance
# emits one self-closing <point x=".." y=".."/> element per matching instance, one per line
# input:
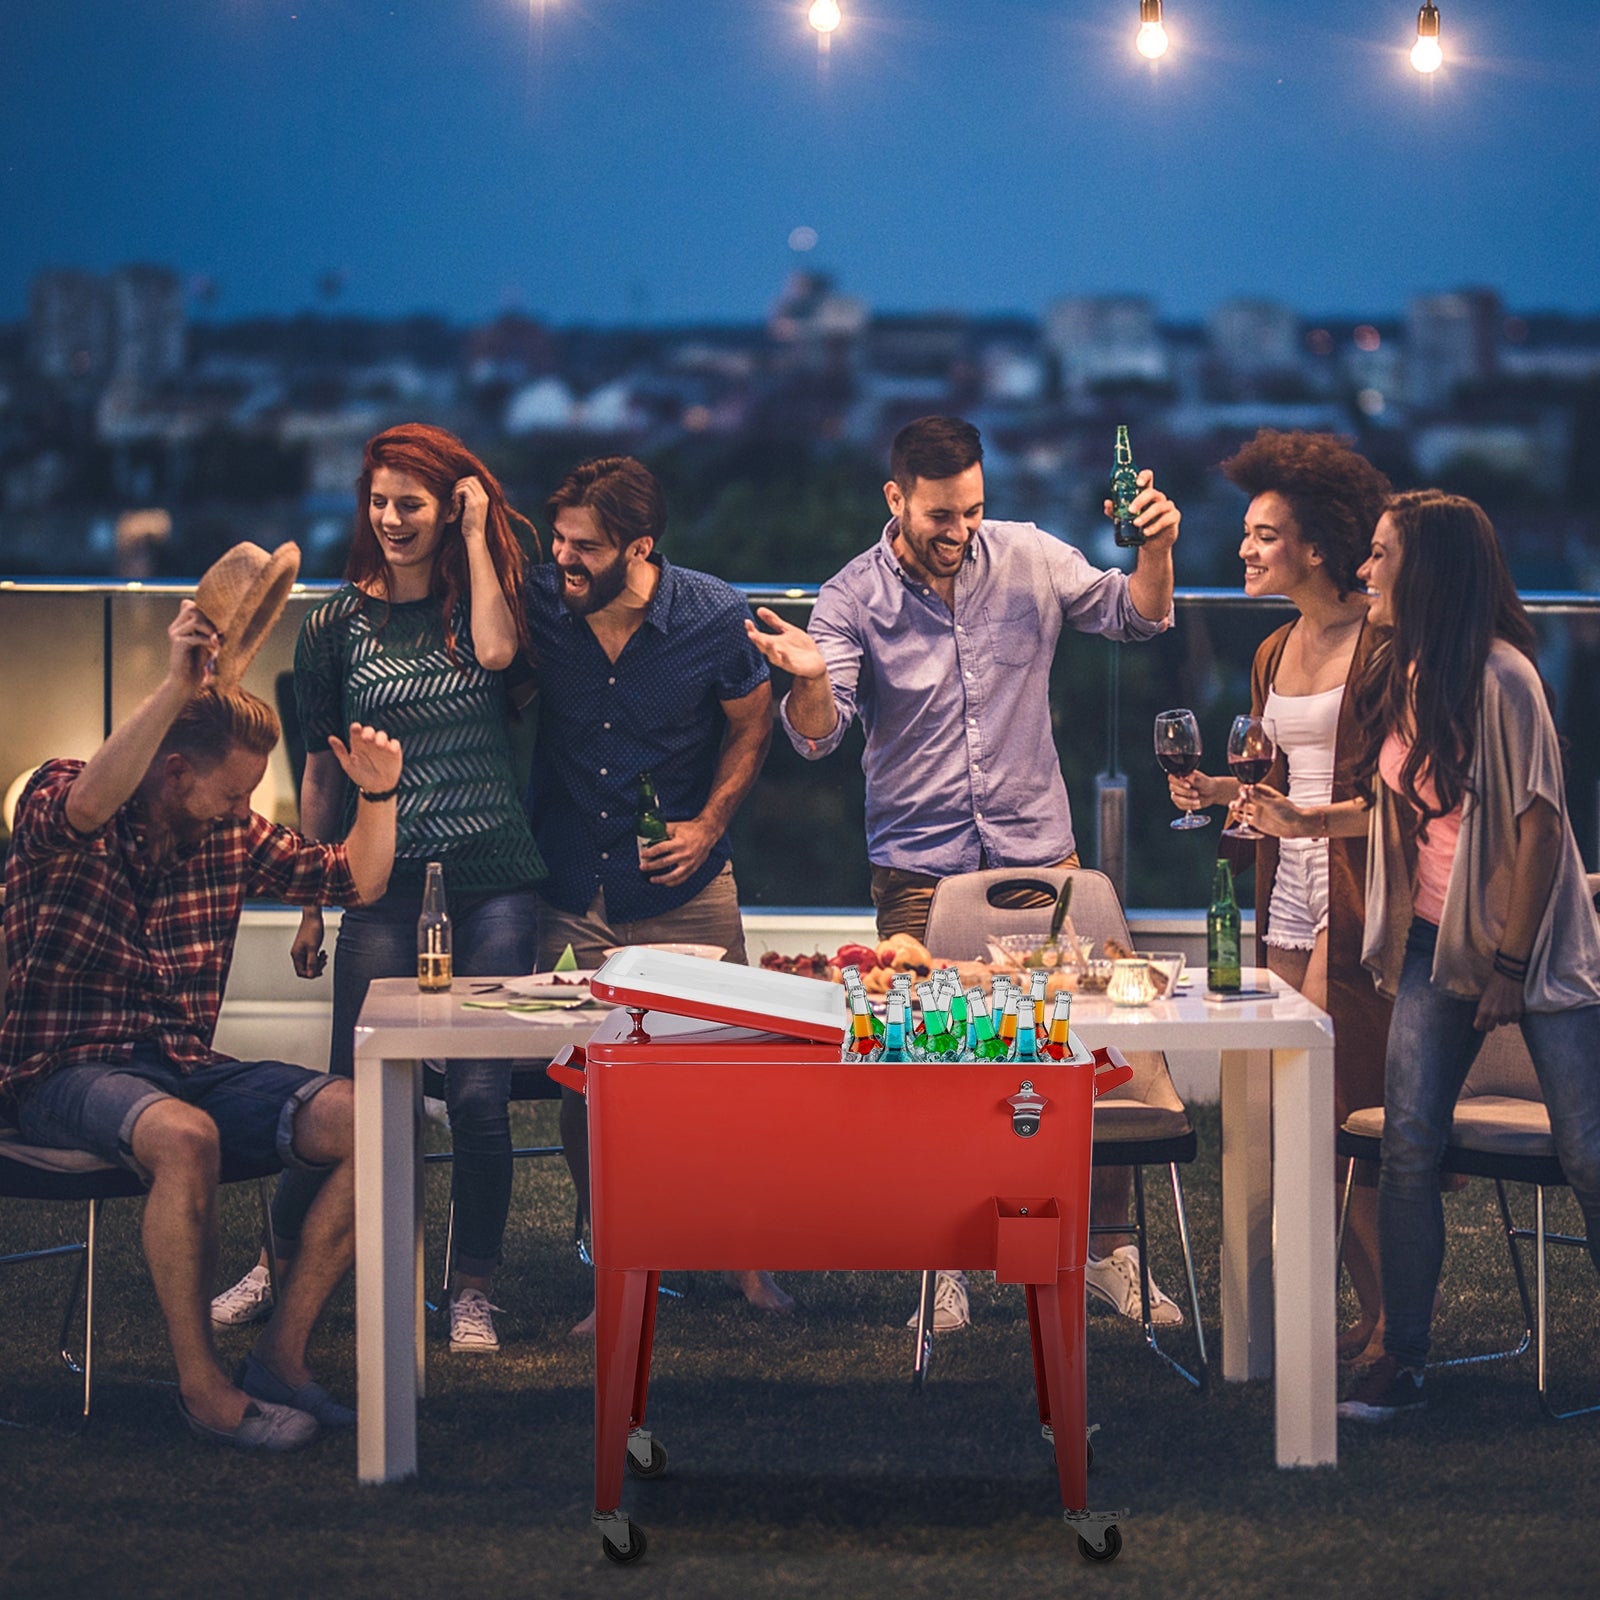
<point x="1152" y="40"/>
<point x="824" y="15"/>
<point x="1425" y="53"/>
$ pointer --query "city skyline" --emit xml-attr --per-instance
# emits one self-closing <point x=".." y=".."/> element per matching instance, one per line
<point x="614" y="162"/>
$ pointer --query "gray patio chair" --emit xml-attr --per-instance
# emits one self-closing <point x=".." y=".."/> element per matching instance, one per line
<point x="1501" y="1131"/>
<point x="1143" y="1123"/>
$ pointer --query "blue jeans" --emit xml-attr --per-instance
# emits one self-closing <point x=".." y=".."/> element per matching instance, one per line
<point x="93" y="1106"/>
<point x="492" y="935"/>
<point x="1432" y="1045"/>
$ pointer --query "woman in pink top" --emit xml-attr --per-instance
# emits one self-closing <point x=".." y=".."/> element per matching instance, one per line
<point x="1478" y="912"/>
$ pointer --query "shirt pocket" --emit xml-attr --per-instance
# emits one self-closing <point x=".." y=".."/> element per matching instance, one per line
<point x="1013" y="625"/>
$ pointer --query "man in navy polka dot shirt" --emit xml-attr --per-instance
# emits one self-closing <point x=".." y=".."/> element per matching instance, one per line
<point x="643" y="667"/>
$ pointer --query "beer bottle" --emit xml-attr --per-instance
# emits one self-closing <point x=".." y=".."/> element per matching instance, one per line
<point x="1124" y="486"/>
<point x="1222" y="933"/>
<point x="647" y="822"/>
<point x="987" y="1045"/>
<point x="1057" y="1045"/>
<point x="434" y="966"/>
<point x="861" y="1042"/>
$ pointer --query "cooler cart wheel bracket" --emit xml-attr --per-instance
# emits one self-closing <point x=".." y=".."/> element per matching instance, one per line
<point x="622" y="1541"/>
<point x="1099" y="1537"/>
<point x="1048" y="1434"/>
<point x="647" y="1456"/>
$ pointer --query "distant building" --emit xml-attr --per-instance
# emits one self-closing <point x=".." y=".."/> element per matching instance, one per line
<point x="1451" y="339"/>
<point x="814" y="326"/>
<point x="147" y="325"/>
<point x="69" y="326"/>
<point x="1255" y="338"/>
<point x="1105" y="339"/>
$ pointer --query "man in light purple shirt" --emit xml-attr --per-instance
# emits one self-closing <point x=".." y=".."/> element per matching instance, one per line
<point x="940" y="639"/>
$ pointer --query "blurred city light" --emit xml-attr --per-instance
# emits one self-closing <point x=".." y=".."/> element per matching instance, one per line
<point x="1152" y="40"/>
<point x="1425" y="53"/>
<point x="824" y="15"/>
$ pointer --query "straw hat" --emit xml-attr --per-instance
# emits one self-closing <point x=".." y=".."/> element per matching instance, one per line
<point x="243" y="594"/>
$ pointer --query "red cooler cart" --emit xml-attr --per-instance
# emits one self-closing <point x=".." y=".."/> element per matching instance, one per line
<point x="724" y="1130"/>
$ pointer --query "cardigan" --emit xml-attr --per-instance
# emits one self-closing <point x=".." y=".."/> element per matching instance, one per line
<point x="1517" y="760"/>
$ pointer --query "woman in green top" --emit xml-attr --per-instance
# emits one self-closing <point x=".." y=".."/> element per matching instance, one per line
<point x="426" y="625"/>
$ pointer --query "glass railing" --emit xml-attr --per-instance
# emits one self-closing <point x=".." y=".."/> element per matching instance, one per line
<point x="76" y="657"/>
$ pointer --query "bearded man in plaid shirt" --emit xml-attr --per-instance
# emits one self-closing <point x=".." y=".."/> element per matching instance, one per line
<point x="125" y="884"/>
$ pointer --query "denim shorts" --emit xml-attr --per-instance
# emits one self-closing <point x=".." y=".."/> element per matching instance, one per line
<point x="94" y="1105"/>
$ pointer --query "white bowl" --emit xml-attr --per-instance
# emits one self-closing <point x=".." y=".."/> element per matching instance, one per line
<point x="706" y="952"/>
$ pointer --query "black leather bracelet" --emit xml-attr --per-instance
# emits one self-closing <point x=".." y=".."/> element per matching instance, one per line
<point x="378" y="799"/>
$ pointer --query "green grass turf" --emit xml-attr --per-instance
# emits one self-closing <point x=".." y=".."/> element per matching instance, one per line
<point x="802" y="1464"/>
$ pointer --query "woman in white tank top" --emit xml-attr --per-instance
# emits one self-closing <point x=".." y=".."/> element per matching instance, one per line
<point x="1314" y="503"/>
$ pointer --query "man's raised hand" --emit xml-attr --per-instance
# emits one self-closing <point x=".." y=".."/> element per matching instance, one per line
<point x="371" y="760"/>
<point x="788" y="648"/>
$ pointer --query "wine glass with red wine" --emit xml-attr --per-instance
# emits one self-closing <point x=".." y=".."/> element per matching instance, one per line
<point x="1178" y="750"/>
<point x="1251" y="752"/>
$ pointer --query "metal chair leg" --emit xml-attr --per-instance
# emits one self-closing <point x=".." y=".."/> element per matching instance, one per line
<point x="1543" y="1238"/>
<point x="1513" y="1234"/>
<point x="1344" y="1221"/>
<point x="1188" y="1266"/>
<point x="924" y="1332"/>
<point x="269" y="1238"/>
<point x="88" y="1309"/>
<point x="1144" y="1286"/>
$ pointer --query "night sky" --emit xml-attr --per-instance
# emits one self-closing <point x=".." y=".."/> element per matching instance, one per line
<point x="627" y="160"/>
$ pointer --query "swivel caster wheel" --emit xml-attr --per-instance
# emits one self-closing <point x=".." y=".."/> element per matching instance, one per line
<point x="654" y="1467"/>
<point x="636" y="1546"/>
<point x="1109" y="1552"/>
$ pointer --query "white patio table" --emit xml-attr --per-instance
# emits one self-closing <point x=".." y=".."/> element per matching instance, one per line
<point x="1278" y="1284"/>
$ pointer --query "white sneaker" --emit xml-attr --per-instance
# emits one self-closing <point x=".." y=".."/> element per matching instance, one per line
<point x="950" y="1310"/>
<point x="249" y="1300"/>
<point x="1115" y="1279"/>
<point x="471" y="1326"/>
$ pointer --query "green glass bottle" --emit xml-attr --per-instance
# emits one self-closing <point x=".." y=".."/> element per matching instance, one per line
<point x="648" y="823"/>
<point x="1124" y="486"/>
<point x="1222" y="934"/>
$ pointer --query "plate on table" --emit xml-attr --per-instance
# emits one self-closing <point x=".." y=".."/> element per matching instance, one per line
<point x="706" y="952"/>
<point x="553" y="985"/>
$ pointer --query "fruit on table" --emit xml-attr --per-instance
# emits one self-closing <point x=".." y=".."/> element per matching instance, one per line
<point x="856" y="955"/>
<point x="815" y="965"/>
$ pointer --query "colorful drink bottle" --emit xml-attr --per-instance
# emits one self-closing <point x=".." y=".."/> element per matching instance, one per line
<point x="1008" y="1018"/>
<point x="987" y="1045"/>
<point x="861" y="1043"/>
<point x="1057" y="1046"/>
<point x="894" y="1032"/>
<point x="1037" y="996"/>
<point x="937" y="1041"/>
<point x="1027" y="1046"/>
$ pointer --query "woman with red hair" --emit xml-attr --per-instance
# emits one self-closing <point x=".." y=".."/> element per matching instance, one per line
<point x="426" y="625"/>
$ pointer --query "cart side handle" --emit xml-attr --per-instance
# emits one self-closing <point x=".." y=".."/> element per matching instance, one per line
<point x="1111" y="1070"/>
<point x="569" y="1068"/>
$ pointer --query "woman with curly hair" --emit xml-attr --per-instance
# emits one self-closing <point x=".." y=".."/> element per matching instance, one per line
<point x="1313" y="505"/>
<point x="425" y="627"/>
<point x="1478" y="912"/>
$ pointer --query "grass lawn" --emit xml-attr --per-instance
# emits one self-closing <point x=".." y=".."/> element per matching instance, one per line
<point x="802" y="1464"/>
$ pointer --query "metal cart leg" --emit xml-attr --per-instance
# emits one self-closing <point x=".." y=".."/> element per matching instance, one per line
<point x="1056" y="1321"/>
<point x="624" y="1323"/>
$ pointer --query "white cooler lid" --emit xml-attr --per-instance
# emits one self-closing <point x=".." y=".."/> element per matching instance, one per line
<point x="722" y="991"/>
